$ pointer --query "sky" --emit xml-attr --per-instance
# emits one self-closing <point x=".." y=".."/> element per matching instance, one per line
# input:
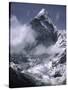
<point x="25" y="12"/>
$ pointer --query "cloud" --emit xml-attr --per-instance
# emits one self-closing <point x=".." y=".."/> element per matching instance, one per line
<point x="38" y="50"/>
<point x="51" y="50"/>
<point x="14" y="22"/>
<point x="21" y="35"/>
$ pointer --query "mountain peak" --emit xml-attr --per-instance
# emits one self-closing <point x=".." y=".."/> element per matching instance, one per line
<point x="42" y="12"/>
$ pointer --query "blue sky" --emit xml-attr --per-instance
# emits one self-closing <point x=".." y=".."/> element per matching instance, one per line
<point x="24" y="12"/>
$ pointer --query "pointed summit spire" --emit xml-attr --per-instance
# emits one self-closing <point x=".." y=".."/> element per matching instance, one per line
<point x="42" y="12"/>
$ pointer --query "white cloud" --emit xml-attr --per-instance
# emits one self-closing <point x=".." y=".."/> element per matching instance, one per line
<point x="21" y="35"/>
<point x="40" y="49"/>
<point x="14" y="22"/>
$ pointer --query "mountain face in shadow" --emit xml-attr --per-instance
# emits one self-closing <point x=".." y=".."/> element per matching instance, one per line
<point x="44" y="28"/>
<point x="17" y="79"/>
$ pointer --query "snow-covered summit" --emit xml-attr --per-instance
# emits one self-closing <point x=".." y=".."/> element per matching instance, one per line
<point x="42" y="12"/>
